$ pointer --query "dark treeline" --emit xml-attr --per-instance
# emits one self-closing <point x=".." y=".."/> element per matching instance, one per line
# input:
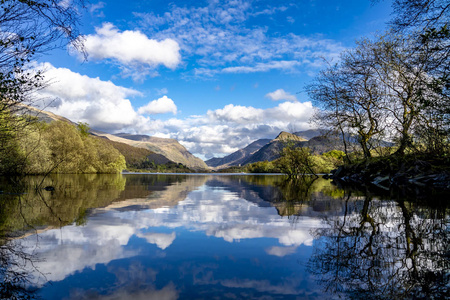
<point x="394" y="87"/>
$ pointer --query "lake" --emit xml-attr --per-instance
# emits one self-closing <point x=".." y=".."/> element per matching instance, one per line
<point x="142" y="236"/>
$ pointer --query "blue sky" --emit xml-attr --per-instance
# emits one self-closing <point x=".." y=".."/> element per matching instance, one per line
<point x="215" y="75"/>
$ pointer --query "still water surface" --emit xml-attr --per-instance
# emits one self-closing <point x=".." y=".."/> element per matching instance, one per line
<point x="224" y="237"/>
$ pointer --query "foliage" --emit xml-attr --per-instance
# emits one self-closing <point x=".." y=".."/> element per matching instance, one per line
<point x="235" y="169"/>
<point x="83" y="128"/>
<point x="262" y="167"/>
<point x="10" y="156"/>
<point x="393" y="87"/>
<point x="323" y="163"/>
<point x="295" y="161"/>
<point x="61" y="148"/>
<point x="328" y="161"/>
<point x="27" y="29"/>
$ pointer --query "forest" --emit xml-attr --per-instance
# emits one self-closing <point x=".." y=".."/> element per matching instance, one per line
<point x="392" y="87"/>
<point x="58" y="147"/>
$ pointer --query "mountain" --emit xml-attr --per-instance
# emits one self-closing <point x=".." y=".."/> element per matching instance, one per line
<point x="139" y="158"/>
<point x="170" y="148"/>
<point x="41" y="115"/>
<point x="310" y="133"/>
<point x="287" y="137"/>
<point x="324" y="143"/>
<point x="272" y="150"/>
<point x="238" y="157"/>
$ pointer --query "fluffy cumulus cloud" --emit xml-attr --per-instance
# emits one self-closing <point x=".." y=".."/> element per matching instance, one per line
<point x="132" y="49"/>
<point x="218" y="38"/>
<point x="237" y="114"/>
<point x="160" y="106"/>
<point x="102" y="104"/>
<point x="281" y="94"/>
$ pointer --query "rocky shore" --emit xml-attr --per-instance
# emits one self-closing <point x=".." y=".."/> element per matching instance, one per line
<point x="392" y="172"/>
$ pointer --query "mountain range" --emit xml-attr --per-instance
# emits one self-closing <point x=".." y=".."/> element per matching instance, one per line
<point x="170" y="148"/>
<point x="163" y="150"/>
<point x="269" y="150"/>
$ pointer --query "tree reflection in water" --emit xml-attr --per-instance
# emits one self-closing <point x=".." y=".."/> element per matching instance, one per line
<point x="365" y="248"/>
<point x="383" y="250"/>
<point x="26" y="208"/>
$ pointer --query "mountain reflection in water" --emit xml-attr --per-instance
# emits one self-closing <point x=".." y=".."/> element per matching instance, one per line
<point x="202" y="237"/>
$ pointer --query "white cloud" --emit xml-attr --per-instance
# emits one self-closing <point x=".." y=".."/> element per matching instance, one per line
<point x="281" y="251"/>
<point x="132" y="49"/>
<point x="281" y="94"/>
<point x="102" y="104"/>
<point x="96" y="9"/>
<point x="263" y="67"/>
<point x="161" y="240"/>
<point x="160" y="106"/>
<point x="236" y="113"/>
<point x="292" y="111"/>
<point x="218" y="38"/>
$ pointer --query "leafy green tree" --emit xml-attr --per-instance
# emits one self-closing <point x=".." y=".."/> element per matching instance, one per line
<point x="261" y="167"/>
<point x="111" y="161"/>
<point x="295" y="161"/>
<point x="61" y="148"/>
<point x="66" y="147"/>
<point x="425" y="24"/>
<point x="27" y="29"/>
<point x="35" y="149"/>
<point x="83" y="128"/>
<point x="10" y="155"/>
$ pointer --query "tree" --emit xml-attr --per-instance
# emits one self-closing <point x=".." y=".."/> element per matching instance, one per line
<point x="328" y="95"/>
<point x="383" y="89"/>
<point x="420" y="15"/>
<point x="83" y="128"/>
<point x="377" y="249"/>
<point x="295" y="161"/>
<point x="425" y="24"/>
<point x="350" y="97"/>
<point x="28" y="29"/>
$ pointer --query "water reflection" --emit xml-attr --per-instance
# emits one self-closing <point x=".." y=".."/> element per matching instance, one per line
<point x="181" y="236"/>
<point x="384" y="250"/>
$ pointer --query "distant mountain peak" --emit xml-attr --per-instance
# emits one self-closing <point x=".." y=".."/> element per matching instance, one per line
<point x="238" y="157"/>
<point x="286" y="136"/>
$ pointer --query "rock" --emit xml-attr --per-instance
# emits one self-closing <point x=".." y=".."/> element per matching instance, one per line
<point x="337" y="172"/>
<point x="423" y="180"/>
<point x="356" y="178"/>
<point x="382" y="182"/>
